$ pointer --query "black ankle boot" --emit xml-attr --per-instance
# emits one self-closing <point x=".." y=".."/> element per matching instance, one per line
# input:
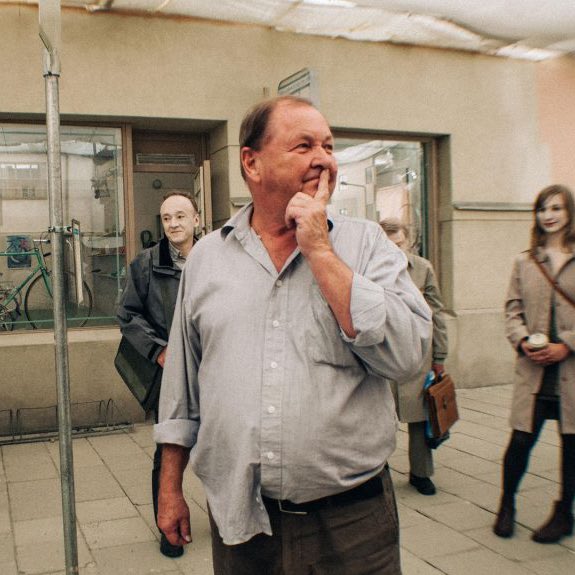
<point x="559" y="525"/>
<point x="505" y="524"/>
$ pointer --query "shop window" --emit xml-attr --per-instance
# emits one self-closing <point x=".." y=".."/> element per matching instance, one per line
<point x="92" y="192"/>
<point x="384" y="178"/>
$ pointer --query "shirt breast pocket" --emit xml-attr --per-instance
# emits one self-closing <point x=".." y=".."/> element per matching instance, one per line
<point x="323" y="335"/>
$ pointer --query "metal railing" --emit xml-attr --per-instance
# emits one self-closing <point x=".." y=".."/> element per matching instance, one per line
<point x="30" y="424"/>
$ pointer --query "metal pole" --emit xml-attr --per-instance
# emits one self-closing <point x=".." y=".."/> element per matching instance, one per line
<point x="49" y="32"/>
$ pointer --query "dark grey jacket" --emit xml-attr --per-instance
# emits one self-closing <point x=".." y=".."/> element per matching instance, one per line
<point x="142" y="311"/>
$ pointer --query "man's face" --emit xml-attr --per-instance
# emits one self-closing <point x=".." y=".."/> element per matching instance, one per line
<point x="297" y="147"/>
<point x="178" y="219"/>
<point x="399" y="239"/>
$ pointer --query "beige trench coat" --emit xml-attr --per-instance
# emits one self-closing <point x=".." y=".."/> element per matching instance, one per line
<point x="527" y="311"/>
<point x="409" y="398"/>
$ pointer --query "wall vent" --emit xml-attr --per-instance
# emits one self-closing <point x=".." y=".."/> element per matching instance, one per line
<point x="166" y="160"/>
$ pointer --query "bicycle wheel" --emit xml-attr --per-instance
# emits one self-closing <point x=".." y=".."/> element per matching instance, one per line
<point x="38" y="304"/>
<point x="77" y="315"/>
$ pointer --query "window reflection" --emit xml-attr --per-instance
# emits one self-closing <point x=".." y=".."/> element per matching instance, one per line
<point x="380" y="179"/>
<point x="92" y="192"/>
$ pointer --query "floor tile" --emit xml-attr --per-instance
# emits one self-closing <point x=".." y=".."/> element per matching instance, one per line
<point x="117" y="532"/>
<point x="561" y="564"/>
<point x="460" y="516"/>
<point x="7" y="555"/>
<point x="518" y="548"/>
<point x="105" y="510"/>
<point x="478" y="562"/>
<point x="427" y="543"/>
<point x="135" y="559"/>
<point x="412" y="565"/>
<point x="35" y="499"/>
<point x="41" y="558"/>
<point x="96" y="483"/>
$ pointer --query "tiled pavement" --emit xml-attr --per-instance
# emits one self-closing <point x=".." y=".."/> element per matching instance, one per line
<point x="448" y="533"/>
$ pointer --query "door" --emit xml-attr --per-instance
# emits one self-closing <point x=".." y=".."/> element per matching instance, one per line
<point x="203" y="196"/>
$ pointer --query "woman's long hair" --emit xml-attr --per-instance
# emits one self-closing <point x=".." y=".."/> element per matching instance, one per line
<point x="538" y="234"/>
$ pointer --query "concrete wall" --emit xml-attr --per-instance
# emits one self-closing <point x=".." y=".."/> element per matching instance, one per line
<point x="27" y="368"/>
<point x="498" y="118"/>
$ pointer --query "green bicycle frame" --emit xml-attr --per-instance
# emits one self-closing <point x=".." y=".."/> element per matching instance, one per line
<point x="40" y="267"/>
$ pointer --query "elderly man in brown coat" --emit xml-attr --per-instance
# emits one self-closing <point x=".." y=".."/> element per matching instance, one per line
<point x="409" y="396"/>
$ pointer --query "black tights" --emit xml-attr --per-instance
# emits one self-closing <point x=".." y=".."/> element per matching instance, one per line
<point x="519" y="449"/>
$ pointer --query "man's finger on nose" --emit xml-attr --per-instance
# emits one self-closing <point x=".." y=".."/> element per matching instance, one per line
<point x="323" y="187"/>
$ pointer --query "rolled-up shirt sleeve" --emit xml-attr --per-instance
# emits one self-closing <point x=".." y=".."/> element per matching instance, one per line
<point x="179" y="410"/>
<point x="390" y="316"/>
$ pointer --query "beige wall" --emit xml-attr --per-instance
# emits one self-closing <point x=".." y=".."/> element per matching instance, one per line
<point x="165" y="68"/>
<point x="503" y="132"/>
<point x="556" y="87"/>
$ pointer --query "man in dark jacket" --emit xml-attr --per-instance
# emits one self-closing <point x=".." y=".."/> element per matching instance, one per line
<point x="147" y="306"/>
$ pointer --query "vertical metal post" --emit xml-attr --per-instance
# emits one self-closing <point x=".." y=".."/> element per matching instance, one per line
<point x="50" y="35"/>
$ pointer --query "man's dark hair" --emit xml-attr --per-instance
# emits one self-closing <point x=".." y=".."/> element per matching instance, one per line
<point x="255" y="123"/>
<point x="184" y="194"/>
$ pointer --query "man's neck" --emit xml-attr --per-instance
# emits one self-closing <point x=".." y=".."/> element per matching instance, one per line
<point x="278" y="239"/>
<point x="184" y="249"/>
<point x="269" y="219"/>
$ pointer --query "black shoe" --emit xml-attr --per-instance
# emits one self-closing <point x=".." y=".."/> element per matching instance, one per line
<point x="423" y="484"/>
<point x="505" y="523"/>
<point x="559" y="525"/>
<point x="169" y="550"/>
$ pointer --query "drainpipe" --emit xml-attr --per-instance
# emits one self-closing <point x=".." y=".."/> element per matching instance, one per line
<point x="50" y="24"/>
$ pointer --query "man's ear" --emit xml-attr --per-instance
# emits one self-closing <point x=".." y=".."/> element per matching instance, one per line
<point x="250" y="163"/>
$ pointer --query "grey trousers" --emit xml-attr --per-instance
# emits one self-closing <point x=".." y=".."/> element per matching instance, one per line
<point x="357" y="539"/>
<point x="420" y="455"/>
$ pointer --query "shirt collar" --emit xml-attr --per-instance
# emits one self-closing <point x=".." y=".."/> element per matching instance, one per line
<point x="175" y="253"/>
<point x="240" y="222"/>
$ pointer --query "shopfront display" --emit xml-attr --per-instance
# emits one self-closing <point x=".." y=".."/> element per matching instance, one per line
<point x="93" y="196"/>
<point x="384" y="178"/>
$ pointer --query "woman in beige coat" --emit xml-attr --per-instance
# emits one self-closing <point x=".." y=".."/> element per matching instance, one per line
<point x="409" y="396"/>
<point x="544" y="386"/>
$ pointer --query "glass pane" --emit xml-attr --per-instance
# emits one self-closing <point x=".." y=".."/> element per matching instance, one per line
<point x="93" y="196"/>
<point x="380" y="179"/>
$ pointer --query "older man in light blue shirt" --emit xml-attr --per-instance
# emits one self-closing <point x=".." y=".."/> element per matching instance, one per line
<point x="286" y="328"/>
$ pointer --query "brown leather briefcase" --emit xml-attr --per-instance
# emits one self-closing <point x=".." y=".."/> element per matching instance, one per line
<point x="442" y="406"/>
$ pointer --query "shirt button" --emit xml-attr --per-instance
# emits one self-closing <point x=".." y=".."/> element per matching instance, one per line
<point x="275" y="323"/>
<point x="270" y="455"/>
<point x="271" y="409"/>
<point x="273" y="364"/>
<point x="279" y="283"/>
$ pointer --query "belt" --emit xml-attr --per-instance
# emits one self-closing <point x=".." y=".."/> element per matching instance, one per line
<point x="371" y="488"/>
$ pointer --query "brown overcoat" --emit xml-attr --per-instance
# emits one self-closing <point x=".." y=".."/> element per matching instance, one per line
<point x="527" y="311"/>
<point x="409" y="398"/>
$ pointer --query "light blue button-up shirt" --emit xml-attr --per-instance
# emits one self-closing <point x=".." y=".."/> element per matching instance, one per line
<point x="262" y="384"/>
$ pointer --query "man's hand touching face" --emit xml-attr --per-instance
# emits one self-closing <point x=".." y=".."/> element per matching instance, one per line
<point x="308" y="215"/>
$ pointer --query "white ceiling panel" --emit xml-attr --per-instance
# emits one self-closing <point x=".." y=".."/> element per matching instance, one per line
<point x="534" y="29"/>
